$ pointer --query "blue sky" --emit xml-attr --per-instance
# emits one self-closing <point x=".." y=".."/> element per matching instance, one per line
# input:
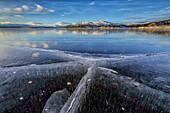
<point x="52" y="11"/>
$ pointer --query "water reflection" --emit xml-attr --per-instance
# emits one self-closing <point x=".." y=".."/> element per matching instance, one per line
<point x="100" y="41"/>
<point x="162" y="31"/>
<point x="165" y="32"/>
<point x="45" y="45"/>
<point x="19" y="45"/>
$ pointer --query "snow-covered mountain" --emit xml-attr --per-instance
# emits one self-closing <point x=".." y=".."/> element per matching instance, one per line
<point x="29" y="25"/>
<point x="93" y="23"/>
<point x="58" y="24"/>
<point x="33" y="24"/>
<point x="10" y="24"/>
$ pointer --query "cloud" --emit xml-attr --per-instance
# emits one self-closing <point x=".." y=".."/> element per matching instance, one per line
<point x="167" y="9"/>
<point x="5" y="22"/>
<point x="34" y="23"/>
<point x="39" y="8"/>
<point x="25" y="7"/>
<point x="133" y="17"/>
<point x="62" y="15"/>
<point x="125" y="9"/>
<point x="91" y="3"/>
<point x="51" y="11"/>
<point x="18" y="9"/>
<point x="129" y="0"/>
<point x="7" y="9"/>
<point x="158" y="18"/>
<point x="18" y="16"/>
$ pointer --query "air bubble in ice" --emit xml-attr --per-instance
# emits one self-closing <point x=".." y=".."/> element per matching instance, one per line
<point x="68" y="83"/>
<point x="136" y="84"/>
<point x="29" y="82"/>
<point x="123" y="108"/>
<point x="21" y="98"/>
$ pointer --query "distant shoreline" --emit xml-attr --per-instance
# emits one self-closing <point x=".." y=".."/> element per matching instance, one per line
<point x="107" y="28"/>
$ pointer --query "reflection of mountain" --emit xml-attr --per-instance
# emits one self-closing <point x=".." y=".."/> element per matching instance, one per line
<point x="89" y="32"/>
<point x="109" y="31"/>
<point x="13" y="31"/>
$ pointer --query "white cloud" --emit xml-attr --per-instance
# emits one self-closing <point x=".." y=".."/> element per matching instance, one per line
<point x="17" y="15"/>
<point x="61" y="23"/>
<point x="25" y="7"/>
<point x="18" y="9"/>
<point x="91" y="3"/>
<point x="62" y="15"/>
<point x="125" y="9"/>
<point x="34" y="23"/>
<point x="5" y="22"/>
<point x="39" y="8"/>
<point x="7" y="9"/>
<point x="51" y="11"/>
<point x="167" y="9"/>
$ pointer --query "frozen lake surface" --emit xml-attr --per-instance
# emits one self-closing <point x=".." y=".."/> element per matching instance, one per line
<point x="39" y="46"/>
<point x="37" y="62"/>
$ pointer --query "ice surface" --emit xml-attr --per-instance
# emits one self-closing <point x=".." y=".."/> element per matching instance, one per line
<point x="31" y="85"/>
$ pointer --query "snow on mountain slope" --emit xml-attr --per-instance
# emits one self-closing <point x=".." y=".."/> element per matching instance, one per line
<point x="93" y="23"/>
<point x="61" y="23"/>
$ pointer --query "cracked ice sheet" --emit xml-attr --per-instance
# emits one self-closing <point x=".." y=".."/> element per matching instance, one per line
<point x="18" y="56"/>
<point x="24" y="84"/>
<point x="152" y="70"/>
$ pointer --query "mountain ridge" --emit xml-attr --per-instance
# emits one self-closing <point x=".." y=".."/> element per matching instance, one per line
<point x="87" y="24"/>
<point x="90" y="24"/>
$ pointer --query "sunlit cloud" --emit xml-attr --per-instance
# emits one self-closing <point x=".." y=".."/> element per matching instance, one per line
<point x="134" y="17"/>
<point x="25" y="7"/>
<point x="18" y="16"/>
<point x="18" y="9"/>
<point x="167" y="9"/>
<point x="34" y="23"/>
<point x="39" y="8"/>
<point x="5" y="22"/>
<point x="91" y="3"/>
<point x="126" y="9"/>
<point x="158" y="18"/>
<point x="51" y="11"/>
<point x="7" y="9"/>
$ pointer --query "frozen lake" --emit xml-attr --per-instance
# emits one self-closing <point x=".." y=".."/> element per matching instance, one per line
<point x="38" y="46"/>
<point x="102" y="70"/>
